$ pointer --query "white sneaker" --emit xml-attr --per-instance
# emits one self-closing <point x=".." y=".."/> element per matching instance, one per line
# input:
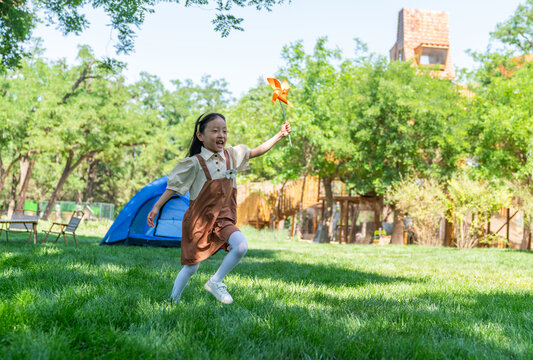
<point x="218" y="289"/>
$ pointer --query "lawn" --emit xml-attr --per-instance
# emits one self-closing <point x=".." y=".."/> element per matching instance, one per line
<point x="293" y="300"/>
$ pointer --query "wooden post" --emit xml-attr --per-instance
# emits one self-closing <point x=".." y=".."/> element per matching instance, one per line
<point x="341" y="222"/>
<point x="377" y="222"/>
<point x="508" y="225"/>
<point x="448" y="233"/>
<point x="293" y="225"/>
<point x="346" y="220"/>
<point x="315" y="222"/>
<point x="488" y="230"/>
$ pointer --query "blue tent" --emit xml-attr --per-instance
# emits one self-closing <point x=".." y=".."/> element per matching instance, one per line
<point x="130" y="227"/>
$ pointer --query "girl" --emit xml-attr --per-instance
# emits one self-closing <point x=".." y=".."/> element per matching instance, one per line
<point x="209" y="223"/>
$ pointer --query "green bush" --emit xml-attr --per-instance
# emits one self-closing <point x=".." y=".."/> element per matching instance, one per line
<point x="473" y="202"/>
<point x="426" y="202"/>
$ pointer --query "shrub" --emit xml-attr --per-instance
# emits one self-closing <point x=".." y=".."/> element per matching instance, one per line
<point x="426" y="202"/>
<point x="473" y="202"/>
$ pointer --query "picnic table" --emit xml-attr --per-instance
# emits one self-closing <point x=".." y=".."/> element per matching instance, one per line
<point x="24" y="224"/>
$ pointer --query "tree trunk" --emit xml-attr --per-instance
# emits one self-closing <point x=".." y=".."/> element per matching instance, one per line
<point x="84" y="76"/>
<point x="67" y="170"/>
<point x="26" y="169"/>
<point x="378" y="210"/>
<point x="5" y="173"/>
<point x="12" y="195"/>
<point x="91" y="179"/>
<point x="397" y="227"/>
<point x="326" y="231"/>
<point x="300" y="227"/>
<point x="355" y="216"/>
<point x="300" y="207"/>
<point x="526" y="237"/>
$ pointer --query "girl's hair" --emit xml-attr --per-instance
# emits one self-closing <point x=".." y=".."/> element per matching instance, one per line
<point x="201" y="122"/>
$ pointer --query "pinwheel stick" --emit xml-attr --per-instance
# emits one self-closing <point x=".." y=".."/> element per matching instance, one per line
<point x="285" y="118"/>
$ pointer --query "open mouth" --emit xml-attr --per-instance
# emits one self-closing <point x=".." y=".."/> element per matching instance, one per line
<point x="220" y="143"/>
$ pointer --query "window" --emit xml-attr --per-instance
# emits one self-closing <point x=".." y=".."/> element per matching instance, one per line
<point x="431" y="55"/>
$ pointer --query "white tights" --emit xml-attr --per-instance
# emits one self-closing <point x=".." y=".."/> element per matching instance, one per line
<point x="238" y="247"/>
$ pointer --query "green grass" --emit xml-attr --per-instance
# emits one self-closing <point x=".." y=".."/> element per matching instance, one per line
<point x="293" y="300"/>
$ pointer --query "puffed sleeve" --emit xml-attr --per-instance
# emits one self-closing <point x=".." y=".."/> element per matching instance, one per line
<point x="182" y="176"/>
<point x="240" y="155"/>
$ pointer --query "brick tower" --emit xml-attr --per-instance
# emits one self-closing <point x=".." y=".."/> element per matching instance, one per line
<point x="423" y="36"/>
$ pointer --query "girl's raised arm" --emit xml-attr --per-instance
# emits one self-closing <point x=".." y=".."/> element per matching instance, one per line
<point x="267" y="145"/>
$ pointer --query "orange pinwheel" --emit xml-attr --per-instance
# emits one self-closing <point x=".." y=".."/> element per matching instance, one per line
<point x="280" y="91"/>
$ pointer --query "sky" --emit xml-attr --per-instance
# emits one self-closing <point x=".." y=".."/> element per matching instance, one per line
<point x="178" y="43"/>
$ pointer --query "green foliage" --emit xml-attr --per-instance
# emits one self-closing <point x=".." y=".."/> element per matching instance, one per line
<point x="425" y="202"/>
<point x="16" y="23"/>
<point x="108" y="138"/>
<point x="501" y="128"/>
<point x="402" y="122"/>
<point x="473" y="202"/>
<point x="18" y="19"/>
<point x="316" y="133"/>
<point x="517" y="31"/>
<point x="493" y="240"/>
<point x="173" y="113"/>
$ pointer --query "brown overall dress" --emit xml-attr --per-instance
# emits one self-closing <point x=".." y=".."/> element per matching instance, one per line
<point x="210" y="219"/>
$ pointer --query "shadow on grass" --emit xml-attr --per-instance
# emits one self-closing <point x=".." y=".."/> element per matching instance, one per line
<point x="307" y="273"/>
<point x="308" y="311"/>
<point x="435" y="325"/>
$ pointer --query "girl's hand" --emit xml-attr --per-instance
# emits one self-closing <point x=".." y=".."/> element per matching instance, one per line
<point x="285" y="129"/>
<point x="151" y="216"/>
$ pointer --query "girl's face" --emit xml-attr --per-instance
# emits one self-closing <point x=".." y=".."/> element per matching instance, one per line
<point x="214" y="135"/>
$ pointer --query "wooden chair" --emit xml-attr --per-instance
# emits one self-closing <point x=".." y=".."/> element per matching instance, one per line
<point x="62" y="228"/>
<point x="20" y="226"/>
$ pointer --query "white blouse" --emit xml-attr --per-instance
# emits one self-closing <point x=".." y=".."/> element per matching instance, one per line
<point x="188" y="174"/>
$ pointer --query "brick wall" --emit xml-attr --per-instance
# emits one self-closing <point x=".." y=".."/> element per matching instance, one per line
<point x="422" y="27"/>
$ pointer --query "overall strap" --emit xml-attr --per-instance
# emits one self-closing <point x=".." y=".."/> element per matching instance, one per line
<point x="226" y="154"/>
<point x="204" y="166"/>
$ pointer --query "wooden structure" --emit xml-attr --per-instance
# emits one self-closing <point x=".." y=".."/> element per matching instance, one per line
<point x="507" y="224"/>
<point x="350" y="208"/>
<point x="264" y="204"/>
<point x="20" y="223"/>
<point x="423" y="37"/>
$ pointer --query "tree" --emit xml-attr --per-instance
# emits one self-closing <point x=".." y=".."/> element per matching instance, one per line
<point x="472" y="204"/>
<point x="517" y="32"/>
<point x="501" y="132"/>
<point x="115" y="176"/>
<point x="80" y="132"/>
<point x="18" y="19"/>
<point x="315" y="134"/>
<point x="402" y="123"/>
<point x="321" y="134"/>
<point x="22" y="92"/>
<point x="426" y="203"/>
<point x="500" y="129"/>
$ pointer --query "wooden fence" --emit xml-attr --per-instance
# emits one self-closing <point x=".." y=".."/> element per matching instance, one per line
<point x="263" y="204"/>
